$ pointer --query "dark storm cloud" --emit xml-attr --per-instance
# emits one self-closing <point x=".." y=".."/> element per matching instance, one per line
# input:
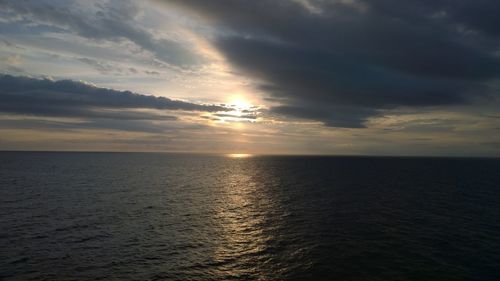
<point x="113" y="21"/>
<point x="342" y="62"/>
<point x="331" y="115"/>
<point x="67" y="98"/>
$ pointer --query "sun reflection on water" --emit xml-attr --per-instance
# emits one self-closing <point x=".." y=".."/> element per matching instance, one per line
<point x="239" y="155"/>
<point x="243" y="215"/>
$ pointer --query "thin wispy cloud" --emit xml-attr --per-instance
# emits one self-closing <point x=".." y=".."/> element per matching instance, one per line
<point x="107" y="21"/>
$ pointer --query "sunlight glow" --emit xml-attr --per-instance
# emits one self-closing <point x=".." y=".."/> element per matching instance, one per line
<point x="240" y="105"/>
<point x="242" y="111"/>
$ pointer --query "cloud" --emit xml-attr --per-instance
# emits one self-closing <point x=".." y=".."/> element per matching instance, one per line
<point x="67" y="98"/>
<point x="109" y="21"/>
<point x="236" y="116"/>
<point x="343" y="62"/>
<point x="333" y="116"/>
<point x="154" y="73"/>
<point x="112" y="68"/>
<point x="102" y="67"/>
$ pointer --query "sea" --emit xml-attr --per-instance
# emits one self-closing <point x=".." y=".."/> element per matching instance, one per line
<point x="160" y="216"/>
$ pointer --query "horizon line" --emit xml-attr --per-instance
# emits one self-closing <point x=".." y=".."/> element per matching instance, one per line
<point x="254" y="154"/>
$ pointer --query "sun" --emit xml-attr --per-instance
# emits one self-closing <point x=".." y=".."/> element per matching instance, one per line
<point x="239" y="105"/>
<point x="240" y="111"/>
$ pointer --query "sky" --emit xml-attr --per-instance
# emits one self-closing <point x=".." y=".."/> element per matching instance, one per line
<point x="333" y="77"/>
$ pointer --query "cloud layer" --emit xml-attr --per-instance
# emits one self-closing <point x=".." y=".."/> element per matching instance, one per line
<point x="342" y="62"/>
<point x="67" y="98"/>
<point x="108" y="21"/>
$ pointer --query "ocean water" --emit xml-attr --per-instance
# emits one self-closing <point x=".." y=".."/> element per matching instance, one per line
<point x="139" y="216"/>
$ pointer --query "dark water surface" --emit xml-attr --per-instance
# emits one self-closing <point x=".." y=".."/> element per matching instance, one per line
<point x="132" y="216"/>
